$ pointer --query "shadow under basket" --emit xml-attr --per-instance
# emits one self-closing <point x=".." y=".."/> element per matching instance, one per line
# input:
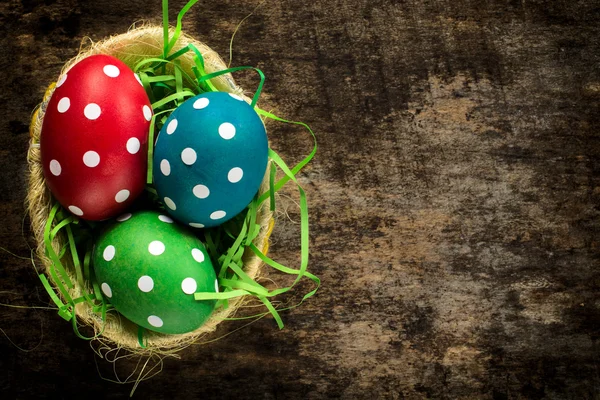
<point x="115" y="330"/>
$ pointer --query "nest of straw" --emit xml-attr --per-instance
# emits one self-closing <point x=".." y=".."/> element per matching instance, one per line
<point x="132" y="47"/>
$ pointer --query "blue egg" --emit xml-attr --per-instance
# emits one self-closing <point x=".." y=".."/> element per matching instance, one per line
<point x="210" y="159"/>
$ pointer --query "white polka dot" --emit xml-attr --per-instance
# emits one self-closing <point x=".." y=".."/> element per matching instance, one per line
<point x="91" y="159"/>
<point x="145" y="283"/>
<point x="63" y="104"/>
<point x="165" y="167"/>
<point x="235" y="175"/>
<point x="155" y="321"/>
<point x="55" y="168"/>
<point x="227" y="130"/>
<point x="147" y="112"/>
<point x="122" y="195"/>
<point x="218" y="214"/>
<point x="171" y="127"/>
<point x="170" y="203"/>
<point x="196" y="225"/>
<point x="201" y="103"/>
<point x="201" y="191"/>
<point x="137" y="77"/>
<point x="189" y="286"/>
<point x="166" y="219"/>
<point x="106" y="290"/>
<point x="124" y="217"/>
<point x="133" y="145"/>
<point x="111" y="71"/>
<point x="188" y="156"/>
<point x="61" y="80"/>
<point x="198" y="255"/>
<point x="217" y="285"/>
<point x="92" y="111"/>
<point x="109" y="253"/>
<point x="235" y="96"/>
<point x="156" y="248"/>
<point x="76" y="210"/>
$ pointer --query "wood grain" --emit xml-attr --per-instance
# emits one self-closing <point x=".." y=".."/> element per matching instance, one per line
<point x="453" y="201"/>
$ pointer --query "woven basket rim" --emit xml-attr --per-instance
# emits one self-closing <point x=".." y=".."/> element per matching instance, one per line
<point x="145" y="41"/>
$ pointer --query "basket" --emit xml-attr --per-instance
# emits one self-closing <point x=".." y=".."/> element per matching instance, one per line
<point x="130" y="48"/>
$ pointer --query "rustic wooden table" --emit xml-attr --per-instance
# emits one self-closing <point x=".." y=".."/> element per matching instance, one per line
<point x="454" y="200"/>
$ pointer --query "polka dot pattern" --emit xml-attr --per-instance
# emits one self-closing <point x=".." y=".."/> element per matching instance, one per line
<point x="111" y="71"/>
<point x="133" y="145"/>
<point x="137" y="78"/>
<point x="235" y="175"/>
<point x="189" y="286"/>
<point x="91" y="159"/>
<point x="201" y="191"/>
<point x="145" y="284"/>
<point x="106" y="290"/>
<point x="147" y="113"/>
<point x="172" y="127"/>
<point x="217" y="153"/>
<point x="63" y="105"/>
<point x="122" y="195"/>
<point x="155" y="321"/>
<point x="165" y="219"/>
<point x="109" y="253"/>
<point x="55" y="168"/>
<point x="218" y="214"/>
<point x="201" y="103"/>
<point x="92" y="111"/>
<point x="165" y="167"/>
<point x="61" y="80"/>
<point x="154" y="272"/>
<point x="95" y="120"/>
<point x="76" y="210"/>
<point x="198" y="255"/>
<point x="170" y="203"/>
<point x="188" y="156"/>
<point x="124" y="217"/>
<point x="156" y="248"/>
<point x="227" y="130"/>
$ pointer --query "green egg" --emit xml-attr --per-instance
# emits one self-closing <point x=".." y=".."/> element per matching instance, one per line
<point x="149" y="268"/>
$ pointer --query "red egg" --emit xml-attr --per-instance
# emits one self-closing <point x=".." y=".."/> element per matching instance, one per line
<point x="94" y="138"/>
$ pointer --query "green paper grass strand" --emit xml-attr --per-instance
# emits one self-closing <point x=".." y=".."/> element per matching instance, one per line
<point x="55" y="260"/>
<point x="74" y="256"/>
<point x="178" y="27"/>
<point x="67" y="310"/>
<point x="232" y="251"/>
<point x="165" y="11"/>
<point x="273" y="311"/>
<point x="298" y="166"/>
<point x="272" y="175"/>
<point x="62" y="307"/>
<point x="141" y="337"/>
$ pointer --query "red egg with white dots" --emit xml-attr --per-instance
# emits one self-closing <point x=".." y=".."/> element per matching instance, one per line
<point x="94" y="138"/>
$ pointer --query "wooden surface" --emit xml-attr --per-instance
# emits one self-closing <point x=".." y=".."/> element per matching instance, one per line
<point x="454" y="200"/>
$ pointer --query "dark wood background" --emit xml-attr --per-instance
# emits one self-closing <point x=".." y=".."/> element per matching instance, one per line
<point x="454" y="200"/>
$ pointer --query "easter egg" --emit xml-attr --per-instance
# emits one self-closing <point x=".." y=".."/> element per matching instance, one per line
<point x="210" y="159"/>
<point x="94" y="138"/>
<point x="149" y="268"/>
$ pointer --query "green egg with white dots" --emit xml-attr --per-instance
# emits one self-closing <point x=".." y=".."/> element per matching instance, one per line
<point x="149" y="268"/>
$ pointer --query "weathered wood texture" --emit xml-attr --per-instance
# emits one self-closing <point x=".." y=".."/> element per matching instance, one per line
<point x="454" y="199"/>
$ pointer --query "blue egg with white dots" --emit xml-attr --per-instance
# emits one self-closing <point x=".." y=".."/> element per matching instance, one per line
<point x="210" y="159"/>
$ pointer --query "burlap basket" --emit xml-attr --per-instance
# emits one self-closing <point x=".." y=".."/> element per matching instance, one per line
<point x="132" y="47"/>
